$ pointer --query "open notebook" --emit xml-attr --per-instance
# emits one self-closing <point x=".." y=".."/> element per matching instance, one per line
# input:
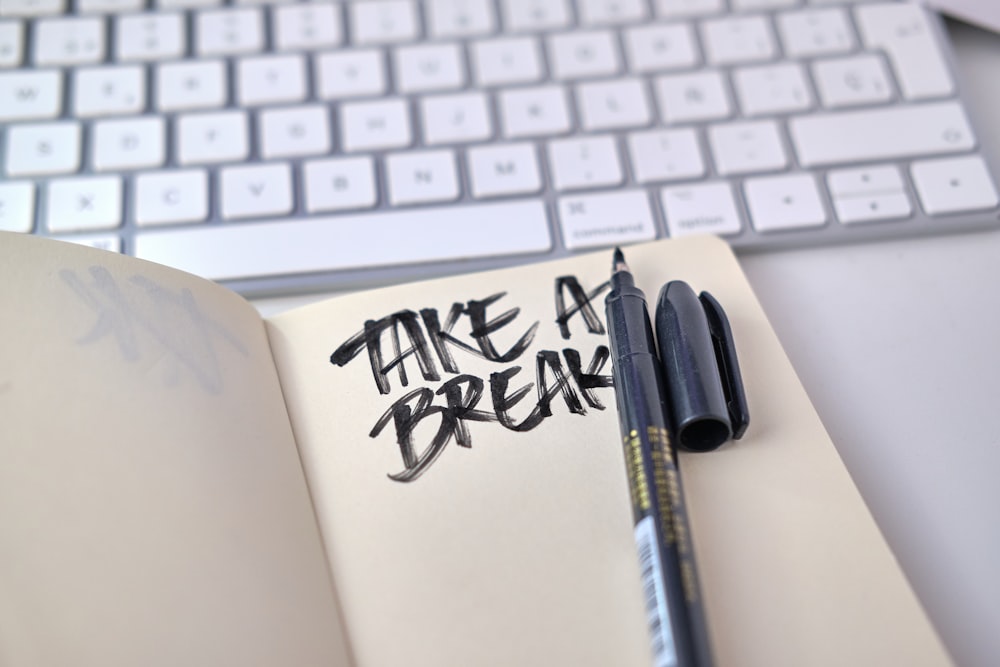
<point x="182" y="482"/>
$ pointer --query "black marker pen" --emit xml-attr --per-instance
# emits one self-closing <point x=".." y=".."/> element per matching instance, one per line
<point x="661" y="530"/>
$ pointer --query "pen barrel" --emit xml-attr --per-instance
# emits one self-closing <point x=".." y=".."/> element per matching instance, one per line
<point x="662" y="535"/>
<point x="629" y="328"/>
<point x="661" y="531"/>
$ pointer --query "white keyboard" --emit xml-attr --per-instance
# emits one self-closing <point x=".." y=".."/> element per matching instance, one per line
<point x="281" y="146"/>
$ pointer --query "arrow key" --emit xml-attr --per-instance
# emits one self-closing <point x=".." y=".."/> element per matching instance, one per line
<point x="868" y="194"/>
<point x="954" y="185"/>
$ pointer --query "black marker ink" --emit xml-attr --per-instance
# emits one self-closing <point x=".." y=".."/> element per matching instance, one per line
<point x="583" y="305"/>
<point x="460" y="406"/>
<point x="590" y="379"/>
<point x="549" y="359"/>
<point x="502" y="403"/>
<point x="482" y="328"/>
<point x="440" y="336"/>
<point x="370" y="338"/>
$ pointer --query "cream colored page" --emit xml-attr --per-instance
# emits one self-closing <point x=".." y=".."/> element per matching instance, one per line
<point x="517" y="548"/>
<point x="153" y="510"/>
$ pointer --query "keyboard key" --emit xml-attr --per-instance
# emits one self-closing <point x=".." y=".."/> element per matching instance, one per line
<point x="665" y="155"/>
<point x="381" y="239"/>
<point x="505" y="169"/>
<point x="307" y="27"/>
<point x="428" y="67"/>
<point x="128" y="143"/>
<point x="460" y="18"/>
<point x="109" y="91"/>
<point x="84" y="204"/>
<point x="685" y="98"/>
<point x="904" y="33"/>
<point x="815" y="32"/>
<point x="222" y="32"/>
<point x="344" y="74"/>
<point x="30" y="95"/>
<point x="865" y="181"/>
<point x="592" y="221"/>
<point x="191" y="85"/>
<point x="17" y="206"/>
<point x="873" y="208"/>
<point x="171" y="197"/>
<point x="608" y="105"/>
<point x="868" y="194"/>
<point x="506" y="61"/>
<point x="153" y="36"/>
<point x="11" y="43"/>
<point x="255" y="191"/>
<point x="584" y="163"/>
<point x="109" y="6"/>
<point x="753" y="5"/>
<point x="375" y="125"/>
<point x="686" y="8"/>
<point x="457" y="118"/>
<point x="69" y="41"/>
<point x="421" y="177"/>
<point x="294" y="131"/>
<point x="954" y="185"/>
<point x="853" y="81"/>
<point x="881" y="134"/>
<point x="187" y="4"/>
<point x="532" y="112"/>
<point x="209" y="138"/>
<point x="43" y="149"/>
<point x="32" y="7"/>
<point x="653" y="48"/>
<point x="784" y="202"/>
<point x="578" y="55"/>
<point x="271" y="80"/>
<point x="383" y="21"/>
<point x="611" y="12"/>
<point x="340" y="184"/>
<point x="531" y="15"/>
<point x="772" y="89"/>
<point x="747" y="147"/>
<point x="706" y="208"/>
<point x="738" y="39"/>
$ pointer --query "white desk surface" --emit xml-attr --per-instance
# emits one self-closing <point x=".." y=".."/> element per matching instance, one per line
<point x="898" y="345"/>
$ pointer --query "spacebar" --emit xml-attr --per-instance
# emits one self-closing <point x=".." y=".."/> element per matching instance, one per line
<point x="279" y="247"/>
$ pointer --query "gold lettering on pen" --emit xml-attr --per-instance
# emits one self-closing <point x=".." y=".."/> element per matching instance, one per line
<point x="637" y="474"/>
<point x="676" y="504"/>
<point x="663" y="472"/>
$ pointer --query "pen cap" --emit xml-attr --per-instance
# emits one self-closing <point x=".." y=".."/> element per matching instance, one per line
<point x="705" y="396"/>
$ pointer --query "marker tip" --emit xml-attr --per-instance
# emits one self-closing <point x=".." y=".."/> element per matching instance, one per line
<point x="619" y="260"/>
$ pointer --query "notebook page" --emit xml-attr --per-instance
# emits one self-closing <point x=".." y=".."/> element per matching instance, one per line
<point x="153" y="510"/>
<point x="498" y="531"/>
